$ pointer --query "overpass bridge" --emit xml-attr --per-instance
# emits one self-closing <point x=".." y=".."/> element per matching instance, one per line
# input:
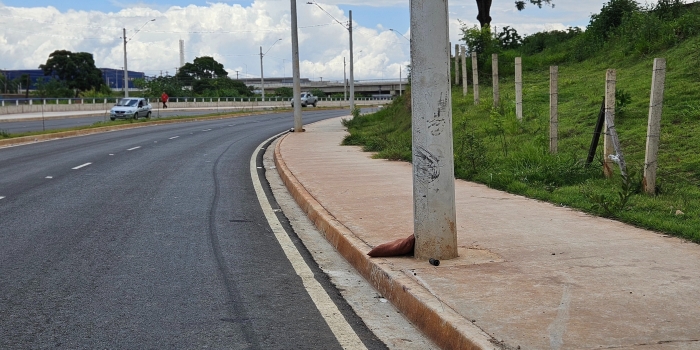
<point x="392" y="87"/>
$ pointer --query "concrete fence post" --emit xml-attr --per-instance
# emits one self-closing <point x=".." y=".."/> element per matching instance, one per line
<point x="475" y="78"/>
<point x="434" y="224"/>
<point x="465" y="83"/>
<point x="611" y="144"/>
<point x="456" y="64"/>
<point x="519" y="88"/>
<point x="656" y="100"/>
<point x="494" y="72"/>
<point x="553" y="108"/>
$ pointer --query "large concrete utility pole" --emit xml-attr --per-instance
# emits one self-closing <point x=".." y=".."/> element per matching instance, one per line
<point x="434" y="217"/>
<point x="298" y="126"/>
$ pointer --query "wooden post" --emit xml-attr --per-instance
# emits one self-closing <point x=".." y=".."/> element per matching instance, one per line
<point x="553" y="109"/>
<point x="654" y="125"/>
<point x="519" y="88"/>
<point x="494" y="71"/>
<point x="434" y="225"/>
<point x="613" y="151"/>
<point x="465" y="84"/>
<point x="456" y="64"/>
<point x="475" y="78"/>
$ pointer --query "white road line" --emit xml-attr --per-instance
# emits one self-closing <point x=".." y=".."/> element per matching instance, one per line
<point x="133" y="148"/>
<point x="207" y="130"/>
<point x="49" y="177"/>
<point x="1" y="197"/>
<point x="81" y="166"/>
<point x="173" y="138"/>
<point x="340" y="327"/>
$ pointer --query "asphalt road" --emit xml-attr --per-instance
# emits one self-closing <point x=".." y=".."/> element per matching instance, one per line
<point x="151" y="238"/>
<point x="53" y="123"/>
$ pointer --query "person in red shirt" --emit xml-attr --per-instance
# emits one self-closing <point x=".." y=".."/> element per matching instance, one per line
<point x="164" y="99"/>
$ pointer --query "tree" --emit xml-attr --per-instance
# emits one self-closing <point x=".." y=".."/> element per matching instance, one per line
<point x="3" y="82"/>
<point x="484" y="7"/>
<point x="318" y="93"/>
<point x="53" y="88"/>
<point x="77" y="70"/>
<point x="284" y="92"/>
<point x="156" y="86"/>
<point x="205" y="67"/>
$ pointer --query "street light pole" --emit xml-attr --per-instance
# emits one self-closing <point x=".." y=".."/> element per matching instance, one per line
<point x="126" y="71"/>
<point x="126" y="76"/>
<point x="352" y="76"/>
<point x="345" y="83"/>
<point x="262" y="79"/>
<point x="298" y="126"/>
<point x="349" y="28"/>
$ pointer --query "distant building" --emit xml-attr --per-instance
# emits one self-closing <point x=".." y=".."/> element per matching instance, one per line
<point x="114" y="78"/>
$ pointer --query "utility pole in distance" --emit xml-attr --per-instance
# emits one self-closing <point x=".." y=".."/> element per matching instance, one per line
<point x="126" y="71"/>
<point x="434" y="224"/>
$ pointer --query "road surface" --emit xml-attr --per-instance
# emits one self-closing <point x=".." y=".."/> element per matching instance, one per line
<point x="152" y="238"/>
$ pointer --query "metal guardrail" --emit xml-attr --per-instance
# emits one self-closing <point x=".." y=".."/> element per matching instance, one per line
<point x="113" y="100"/>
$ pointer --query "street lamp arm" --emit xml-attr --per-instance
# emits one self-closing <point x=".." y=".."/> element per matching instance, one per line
<point x="273" y="44"/>
<point x="396" y="31"/>
<point x="322" y="9"/>
<point x="138" y="30"/>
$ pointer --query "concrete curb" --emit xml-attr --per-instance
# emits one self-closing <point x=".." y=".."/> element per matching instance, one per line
<point x="443" y="325"/>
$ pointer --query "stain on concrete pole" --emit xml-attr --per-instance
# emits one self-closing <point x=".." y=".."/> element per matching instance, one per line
<point x="433" y="166"/>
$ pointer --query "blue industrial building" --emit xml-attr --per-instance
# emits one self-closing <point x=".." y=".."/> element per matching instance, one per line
<point x="114" y="78"/>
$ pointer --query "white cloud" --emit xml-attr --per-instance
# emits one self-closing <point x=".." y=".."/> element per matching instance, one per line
<point x="233" y="34"/>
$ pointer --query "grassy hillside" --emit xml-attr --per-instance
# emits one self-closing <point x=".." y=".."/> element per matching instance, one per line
<point x="492" y="147"/>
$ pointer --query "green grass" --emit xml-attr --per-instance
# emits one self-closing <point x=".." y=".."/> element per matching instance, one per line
<point x="492" y="147"/>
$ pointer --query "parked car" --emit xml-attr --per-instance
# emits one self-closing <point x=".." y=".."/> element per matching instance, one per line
<point x="307" y="99"/>
<point x="130" y="107"/>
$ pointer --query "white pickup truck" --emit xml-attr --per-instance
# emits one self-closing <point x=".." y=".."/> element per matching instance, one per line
<point x="130" y="107"/>
<point x="307" y="99"/>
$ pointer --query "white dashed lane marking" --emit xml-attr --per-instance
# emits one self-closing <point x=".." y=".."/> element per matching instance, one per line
<point x="1" y="197"/>
<point x="133" y="148"/>
<point x="173" y="138"/>
<point x="49" y="177"/>
<point x="81" y="166"/>
<point x="206" y="130"/>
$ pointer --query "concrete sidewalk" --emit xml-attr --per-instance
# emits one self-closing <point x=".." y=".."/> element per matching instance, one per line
<point x="530" y="275"/>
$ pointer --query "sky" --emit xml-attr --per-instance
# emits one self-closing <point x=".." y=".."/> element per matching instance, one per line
<point x="234" y="31"/>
